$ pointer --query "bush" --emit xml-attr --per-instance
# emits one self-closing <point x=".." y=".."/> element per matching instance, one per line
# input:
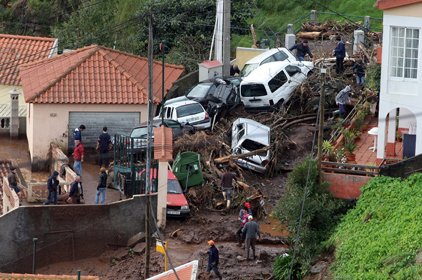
<point x="373" y="76"/>
<point x="321" y="212"/>
<point x="381" y="237"/>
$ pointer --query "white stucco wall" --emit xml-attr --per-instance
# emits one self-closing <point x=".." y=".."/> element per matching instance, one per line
<point x="49" y="123"/>
<point x="403" y="93"/>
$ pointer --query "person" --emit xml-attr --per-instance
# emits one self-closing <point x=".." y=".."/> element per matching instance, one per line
<point x="103" y="147"/>
<point x="13" y="180"/>
<point x="76" y="191"/>
<point x="52" y="186"/>
<point x="301" y="50"/>
<point x="77" y="133"/>
<point x="243" y="218"/>
<point x="227" y="186"/>
<point x="102" y="185"/>
<point x="248" y="208"/>
<point x="234" y="69"/>
<point x="359" y="72"/>
<point x="340" y="53"/>
<point x="213" y="259"/>
<point x="251" y="232"/>
<point x="342" y="99"/>
<point x="78" y="157"/>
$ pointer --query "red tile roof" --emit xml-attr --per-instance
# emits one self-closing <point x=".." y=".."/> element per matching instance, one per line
<point x="187" y="271"/>
<point x="94" y="75"/>
<point x="15" y="276"/>
<point x="16" y="50"/>
<point x="389" y="4"/>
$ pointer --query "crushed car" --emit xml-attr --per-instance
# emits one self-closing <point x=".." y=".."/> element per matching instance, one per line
<point x="249" y="136"/>
<point x="272" y="84"/>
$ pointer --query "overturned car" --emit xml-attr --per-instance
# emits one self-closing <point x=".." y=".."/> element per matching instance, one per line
<point x="249" y="136"/>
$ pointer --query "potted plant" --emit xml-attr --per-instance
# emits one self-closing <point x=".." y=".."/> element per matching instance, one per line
<point x="349" y="144"/>
<point x="328" y="151"/>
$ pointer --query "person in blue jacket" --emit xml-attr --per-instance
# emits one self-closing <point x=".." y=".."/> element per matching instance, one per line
<point x="340" y="54"/>
<point x="213" y="259"/>
<point x="302" y="49"/>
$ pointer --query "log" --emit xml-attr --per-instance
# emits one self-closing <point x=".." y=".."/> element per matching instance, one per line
<point x="243" y="186"/>
<point x="309" y="35"/>
<point x="234" y="157"/>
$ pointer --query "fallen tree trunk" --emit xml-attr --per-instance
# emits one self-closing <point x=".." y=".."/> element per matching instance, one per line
<point x="309" y="35"/>
<point x="234" y="157"/>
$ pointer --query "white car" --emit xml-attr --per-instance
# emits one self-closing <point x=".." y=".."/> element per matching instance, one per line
<point x="276" y="54"/>
<point x="186" y="111"/>
<point x="272" y="84"/>
<point x="248" y="136"/>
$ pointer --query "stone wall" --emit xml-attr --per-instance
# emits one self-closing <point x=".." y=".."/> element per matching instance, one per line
<point x="67" y="232"/>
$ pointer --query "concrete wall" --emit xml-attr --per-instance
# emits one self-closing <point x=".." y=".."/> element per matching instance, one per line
<point x="49" y="123"/>
<point x="345" y="186"/>
<point x="10" y="198"/>
<point x="245" y="54"/>
<point x="414" y="10"/>
<point x="67" y="232"/>
<point x="5" y="94"/>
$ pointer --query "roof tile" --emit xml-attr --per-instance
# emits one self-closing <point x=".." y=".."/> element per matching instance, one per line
<point x="390" y="4"/>
<point x="95" y="75"/>
<point x="16" y="50"/>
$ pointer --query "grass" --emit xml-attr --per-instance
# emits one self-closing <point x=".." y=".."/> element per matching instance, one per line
<point x="273" y="16"/>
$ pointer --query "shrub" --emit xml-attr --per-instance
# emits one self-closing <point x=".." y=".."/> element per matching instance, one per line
<point x="381" y="237"/>
<point x="321" y="212"/>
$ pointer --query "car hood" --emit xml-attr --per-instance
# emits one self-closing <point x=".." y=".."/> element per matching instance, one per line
<point x="176" y="199"/>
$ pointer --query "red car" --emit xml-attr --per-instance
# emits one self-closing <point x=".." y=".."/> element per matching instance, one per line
<point x="177" y="205"/>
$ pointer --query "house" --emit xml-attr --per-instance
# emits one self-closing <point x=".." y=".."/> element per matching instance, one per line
<point x="16" y="50"/>
<point x="94" y="86"/>
<point x="400" y="105"/>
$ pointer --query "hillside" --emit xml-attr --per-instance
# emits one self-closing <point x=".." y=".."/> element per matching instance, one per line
<point x="382" y="237"/>
<point x="272" y="16"/>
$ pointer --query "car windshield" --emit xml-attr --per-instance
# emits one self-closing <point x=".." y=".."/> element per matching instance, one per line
<point x="189" y="110"/>
<point x="248" y="68"/>
<point x="253" y="90"/>
<point x="139" y="132"/>
<point x="173" y="186"/>
<point x="200" y="90"/>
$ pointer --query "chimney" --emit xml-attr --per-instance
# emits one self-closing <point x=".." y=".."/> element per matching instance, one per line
<point x="14" y="113"/>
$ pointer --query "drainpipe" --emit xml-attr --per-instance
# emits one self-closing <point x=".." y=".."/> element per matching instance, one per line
<point x="34" y="250"/>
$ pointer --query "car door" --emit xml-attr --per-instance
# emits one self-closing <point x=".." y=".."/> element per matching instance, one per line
<point x="280" y="87"/>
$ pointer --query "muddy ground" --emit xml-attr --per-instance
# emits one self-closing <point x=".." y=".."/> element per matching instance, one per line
<point x="187" y="238"/>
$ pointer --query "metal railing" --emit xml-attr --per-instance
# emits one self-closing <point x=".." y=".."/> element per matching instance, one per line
<point x="351" y="169"/>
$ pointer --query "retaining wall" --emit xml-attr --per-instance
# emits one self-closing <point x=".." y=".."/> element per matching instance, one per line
<point x="67" y="232"/>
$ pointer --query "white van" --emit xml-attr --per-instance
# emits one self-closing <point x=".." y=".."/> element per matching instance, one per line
<point x="277" y="54"/>
<point x="270" y="85"/>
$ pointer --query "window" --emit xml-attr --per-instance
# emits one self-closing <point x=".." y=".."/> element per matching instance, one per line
<point x="278" y="81"/>
<point x="189" y="110"/>
<point x="404" y="52"/>
<point x="253" y="90"/>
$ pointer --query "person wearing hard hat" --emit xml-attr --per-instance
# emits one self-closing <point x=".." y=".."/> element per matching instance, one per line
<point x="251" y="231"/>
<point x="213" y="259"/>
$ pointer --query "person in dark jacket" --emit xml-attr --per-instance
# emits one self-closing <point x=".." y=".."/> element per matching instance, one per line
<point x="302" y="49"/>
<point x="52" y="186"/>
<point x="13" y="180"/>
<point x="251" y="231"/>
<point x="340" y="54"/>
<point x="359" y="72"/>
<point x="76" y="191"/>
<point x="103" y="146"/>
<point x="77" y="133"/>
<point x="213" y="259"/>
<point x="227" y="186"/>
<point x="102" y="185"/>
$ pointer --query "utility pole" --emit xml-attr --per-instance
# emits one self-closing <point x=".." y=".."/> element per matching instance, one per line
<point x="149" y="147"/>
<point x="226" y="37"/>
<point x="321" y="118"/>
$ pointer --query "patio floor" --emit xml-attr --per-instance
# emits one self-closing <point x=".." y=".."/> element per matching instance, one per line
<point x="367" y="156"/>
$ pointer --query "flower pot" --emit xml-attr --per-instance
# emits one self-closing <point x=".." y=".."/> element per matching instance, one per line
<point x="351" y="157"/>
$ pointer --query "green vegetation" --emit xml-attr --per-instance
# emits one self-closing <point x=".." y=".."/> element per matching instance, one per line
<point x="381" y="237"/>
<point x="373" y="76"/>
<point x="321" y="212"/>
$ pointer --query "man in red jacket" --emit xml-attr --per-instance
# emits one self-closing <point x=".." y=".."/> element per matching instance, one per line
<point x="78" y="157"/>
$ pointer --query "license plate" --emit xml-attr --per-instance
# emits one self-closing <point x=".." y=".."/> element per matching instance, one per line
<point x="171" y="212"/>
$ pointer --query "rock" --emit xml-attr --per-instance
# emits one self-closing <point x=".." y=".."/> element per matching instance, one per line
<point x="419" y="258"/>
<point x="139" y="248"/>
<point x="318" y="267"/>
<point x="139" y="237"/>
<point x="240" y="258"/>
<point x="120" y="254"/>
<point x="263" y="256"/>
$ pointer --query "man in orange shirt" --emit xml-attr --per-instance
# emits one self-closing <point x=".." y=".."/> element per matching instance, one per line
<point x="78" y="157"/>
